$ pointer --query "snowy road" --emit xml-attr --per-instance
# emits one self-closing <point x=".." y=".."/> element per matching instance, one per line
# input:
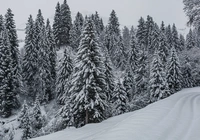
<point x="175" y="118"/>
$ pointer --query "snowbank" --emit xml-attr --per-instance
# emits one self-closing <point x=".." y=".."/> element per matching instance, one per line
<point x="174" y="118"/>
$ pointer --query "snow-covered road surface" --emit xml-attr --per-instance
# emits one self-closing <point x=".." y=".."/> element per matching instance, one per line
<point x="174" y="118"/>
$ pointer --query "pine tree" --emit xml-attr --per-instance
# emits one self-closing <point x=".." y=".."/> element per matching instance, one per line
<point x="162" y="27"/>
<point x="30" y="59"/>
<point x="23" y="111"/>
<point x="109" y="76"/>
<point x="163" y="51"/>
<point x="120" y="100"/>
<point x="37" y="120"/>
<point x="88" y="96"/>
<point x="113" y="24"/>
<point x="174" y="75"/>
<point x="112" y="38"/>
<point x="188" y="78"/>
<point x="128" y="84"/>
<point x="182" y="42"/>
<point x="190" y="41"/>
<point x="12" y="36"/>
<point x="76" y="31"/>
<point x="150" y="28"/>
<point x="126" y="39"/>
<point x="52" y="57"/>
<point x="65" y="24"/>
<point x="57" y="26"/>
<point x="133" y="60"/>
<point x="175" y="39"/>
<point x="141" y="32"/>
<point x="64" y="74"/>
<point x="8" y="96"/>
<point x="169" y="36"/>
<point x="98" y="23"/>
<point x="158" y="85"/>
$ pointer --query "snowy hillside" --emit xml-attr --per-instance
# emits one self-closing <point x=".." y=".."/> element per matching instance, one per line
<point x="174" y="118"/>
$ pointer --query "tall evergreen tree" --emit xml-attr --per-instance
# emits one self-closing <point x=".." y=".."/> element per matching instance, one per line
<point x="112" y="38"/>
<point x="126" y="39"/>
<point x="190" y="41"/>
<point x="65" y="24"/>
<point x="109" y="76"/>
<point x="57" y="25"/>
<point x="174" y="75"/>
<point x="12" y="36"/>
<point x="63" y="77"/>
<point x="175" y="38"/>
<point x="162" y="27"/>
<point x="158" y="85"/>
<point x="120" y="100"/>
<point x="188" y="78"/>
<point x="52" y="56"/>
<point x="169" y="36"/>
<point x="76" y="31"/>
<point x="141" y="32"/>
<point x="182" y="42"/>
<point x="29" y="64"/>
<point x="88" y="96"/>
<point x="8" y="96"/>
<point x="37" y="120"/>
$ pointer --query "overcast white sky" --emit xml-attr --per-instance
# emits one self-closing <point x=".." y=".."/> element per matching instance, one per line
<point x="128" y="11"/>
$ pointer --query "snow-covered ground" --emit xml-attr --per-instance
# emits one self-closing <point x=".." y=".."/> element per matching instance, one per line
<point x="174" y="118"/>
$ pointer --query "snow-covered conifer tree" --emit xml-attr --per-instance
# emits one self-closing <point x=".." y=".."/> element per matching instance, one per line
<point x="63" y="77"/>
<point x="13" y="40"/>
<point x="158" y="84"/>
<point x="88" y="96"/>
<point x="65" y="24"/>
<point x="120" y="99"/>
<point x="174" y="74"/>
<point x="57" y="26"/>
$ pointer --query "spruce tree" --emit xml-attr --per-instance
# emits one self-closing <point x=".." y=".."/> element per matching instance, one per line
<point x="65" y="24"/>
<point x="128" y="83"/>
<point x="112" y="38"/>
<point x="120" y="100"/>
<point x="88" y="96"/>
<point x="57" y="25"/>
<point x="174" y="75"/>
<point x="30" y="59"/>
<point x="169" y="36"/>
<point x="23" y="117"/>
<point x="141" y="32"/>
<point x="8" y="96"/>
<point x="158" y="85"/>
<point x="162" y="27"/>
<point x="12" y="36"/>
<point x="63" y="77"/>
<point x="37" y="120"/>
<point x="175" y="38"/>
<point x="76" y="31"/>
<point x="190" y="41"/>
<point x="109" y="76"/>
<point x="182" y="42"/>
<point x="126" y="39"/>
<point x="52" y="57"/>
<point x="188" y="78"/>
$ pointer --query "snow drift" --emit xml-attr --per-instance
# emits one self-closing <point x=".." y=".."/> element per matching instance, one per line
<point x="174" y="118"/>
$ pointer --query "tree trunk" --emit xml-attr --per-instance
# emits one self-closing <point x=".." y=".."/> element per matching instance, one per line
<point x="86" y="116"/>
